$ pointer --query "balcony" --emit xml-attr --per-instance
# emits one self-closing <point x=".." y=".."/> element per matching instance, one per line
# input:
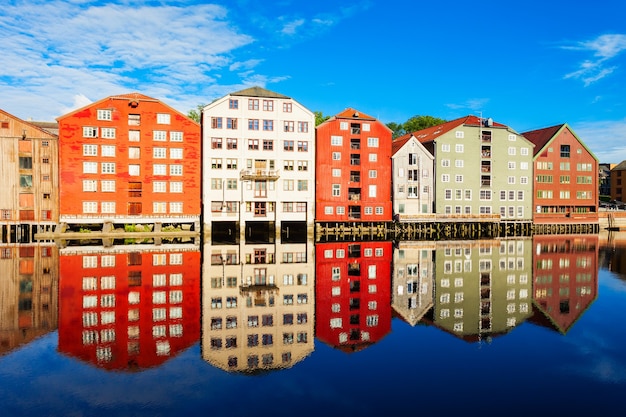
<point x="354" y="194"/>
<point x="260" y="174"/>
<point x="355" y="144"/>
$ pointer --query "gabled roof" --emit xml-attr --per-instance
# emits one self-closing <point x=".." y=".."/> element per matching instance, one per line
<point x="351" y="113"/>
<point x="36" y="125"/>
<point x="130" y="97"/>
<point x="431" y="133"/>
<point x="620" y="167"/>
<point x="258" y="92"/>
<point x="542" y="137"/>
<point x="399" y="143"/>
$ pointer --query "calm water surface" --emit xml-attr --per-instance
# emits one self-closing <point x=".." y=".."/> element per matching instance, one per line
<point x="511" y="327"/>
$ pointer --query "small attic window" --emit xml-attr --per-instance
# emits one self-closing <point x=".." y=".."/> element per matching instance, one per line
<point x="459" y="134"/>
<point x="4" y="125"/>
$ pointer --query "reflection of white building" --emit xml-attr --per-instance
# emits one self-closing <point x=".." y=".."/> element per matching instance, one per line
<point x="412" y="280"/>
<point x="259" y="168"/>
<point x="482" y="288"/>
<point x="413" y="178"/>
<point x="258" y="304"/>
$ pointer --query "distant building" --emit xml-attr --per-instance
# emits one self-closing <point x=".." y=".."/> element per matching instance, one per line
<point x="618" y="181"/>
<point x="29" y="198"/>
<point x="566" y="177"/>
<point x="413" y="179"/>
<point x="483" y="170"/>
<point x="129" y="159"/>
<point x="605" y="178"/>
<point x="259" y="168"/>
<point x="353" y="180"/>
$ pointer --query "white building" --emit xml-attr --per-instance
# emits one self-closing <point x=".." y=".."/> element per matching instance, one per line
<point x="258" y="168"/>
<point x="413" y="179"/>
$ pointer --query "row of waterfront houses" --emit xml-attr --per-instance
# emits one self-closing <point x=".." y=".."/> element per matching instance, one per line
<point x="258" y="169"/>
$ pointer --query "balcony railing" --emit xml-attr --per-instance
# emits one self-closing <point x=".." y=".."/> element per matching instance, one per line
<point x="260" y="174"/>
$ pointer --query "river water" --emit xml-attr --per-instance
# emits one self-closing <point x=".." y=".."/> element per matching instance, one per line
<point x="500" y="327"/>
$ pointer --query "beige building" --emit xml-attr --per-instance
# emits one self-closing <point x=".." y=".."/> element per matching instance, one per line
<point x="258" y="305"/>
<point x="258" y="168"/>
<point x="29" y="199"/>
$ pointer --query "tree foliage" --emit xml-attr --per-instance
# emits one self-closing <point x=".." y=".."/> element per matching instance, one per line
<point x="415" y="123"/>
<point x="194" y="114"/>
<point x="320" y="118"/>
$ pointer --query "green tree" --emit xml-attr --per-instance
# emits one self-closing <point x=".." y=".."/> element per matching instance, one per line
<point x="320" y="118"/>
<point x="194" y="114"/>
<point x="414" y="124"/>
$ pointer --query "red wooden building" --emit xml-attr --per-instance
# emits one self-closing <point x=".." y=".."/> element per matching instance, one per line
<point x="129" y="159"/>
<point x="352" y="293"/>
<point x="353" y="169"/>
<point x="566" y="177"/>
<point x="565" y="279"/>
<point x="128" y="310"/>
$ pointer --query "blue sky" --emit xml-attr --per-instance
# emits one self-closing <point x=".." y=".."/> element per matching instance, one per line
<point x="529" y="65"/>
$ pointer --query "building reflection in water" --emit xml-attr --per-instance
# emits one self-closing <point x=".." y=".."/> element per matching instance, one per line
<point x="28" y="293"/>
<point x="128" y="308"/>
<point x="258" y="305"/>
<point x="565" y="279"/>
<point x="353" y="296"/>
<point x="412" y="280"/>
<point x="483" y="288"/>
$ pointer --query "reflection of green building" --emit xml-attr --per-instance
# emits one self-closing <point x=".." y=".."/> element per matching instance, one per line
<point x="412" y="280"/>
<point x="482" y="288"/>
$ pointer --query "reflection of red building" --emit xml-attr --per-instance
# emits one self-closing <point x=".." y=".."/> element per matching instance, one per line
<point x="131" y="309"/>
<point x="565" y="278"/>
<point x="352" y="293"/>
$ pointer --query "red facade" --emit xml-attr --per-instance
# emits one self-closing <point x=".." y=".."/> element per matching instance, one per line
<point x="565" y="278"/>
<point x="130" y="310"/>
<point x="352" y="293"/>
<point x="353" y="169"/>
<point x="128" y="155"/>
<point x="566" y="177"/>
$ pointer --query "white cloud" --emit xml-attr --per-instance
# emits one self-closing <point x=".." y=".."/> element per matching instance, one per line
<point x="474" y="104"/>
<point x="603" y="48"/>
<point x="290" y="27"/>
<point x="606" y="139"/>
<point x="95" y="51"/>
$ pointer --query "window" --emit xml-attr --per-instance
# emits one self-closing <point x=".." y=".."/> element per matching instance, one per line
<point x="253" y="104"/>
<point x="88" y="150"/>
<point x="288" y="126"/>
<point x="253" y="124"/>
<point x="216" y="122"/>
<point x="108" y="132"/>
<point x="163" y="118"/>
<point x="159" y="135"/>
<point x="287" y="107"/>
<point x="565" y="151"/>
<point x="459" y="147"/>
<point x="159" y="169"/>
<point x="176" y="153"/>
<point x="288" y="145"/>
<point x="159" y="153"/>
<point x="233" y="104"/>
<point x="104" y="114"/>
<point x="231" y="123"/>
<point x="372" y="142"/>
<point x="90" y="132"/>
<point x="303" y="127"/>
<point x="268" y="145"/>
<point x="176" y="170"/>
<point x="268" y="125"/>
<point x="303" y="146"/>
<point x="108" y="167"/>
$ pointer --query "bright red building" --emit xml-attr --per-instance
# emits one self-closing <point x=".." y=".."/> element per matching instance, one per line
<point x="352" y="293"/>
<point x="353" y="169"/>
<point x="566" y="177"/>
<point x="129" y="159"/>
<point x="128" y="310"/>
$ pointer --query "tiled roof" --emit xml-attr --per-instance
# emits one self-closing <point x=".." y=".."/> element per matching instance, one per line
<point x="431" y="133"/>
<point x="541" y="137"/>
<point x="351" y="113"/>
<point x="258" y="92"/>
<point x="398" y="143"/>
